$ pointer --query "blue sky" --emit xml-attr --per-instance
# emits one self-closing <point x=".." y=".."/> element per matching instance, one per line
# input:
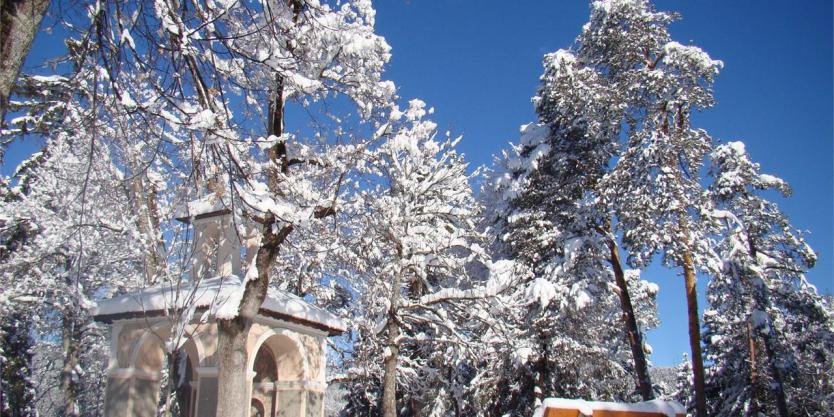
<point x="478" y="63"/>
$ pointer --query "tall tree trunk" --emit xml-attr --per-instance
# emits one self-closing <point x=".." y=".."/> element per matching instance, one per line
<point x="389" y="379"/>
<point x="694" y="334"/>
<point x="19" y="22"/>
<point x="768" y="342"/>
<point x="755" y="394"/>
<point x="233" y="390"/>
<point x="231" y="344"/>
<point x="635" y="337"/>
<point x="71" y="335"/>
<point x="776" y="374"/>
<point x="233" y="384"/>
<point x="543" y="381"/>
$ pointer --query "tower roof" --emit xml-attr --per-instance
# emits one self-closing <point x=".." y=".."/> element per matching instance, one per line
<point x="217" y="297"/>
<point x="204" y="207"/>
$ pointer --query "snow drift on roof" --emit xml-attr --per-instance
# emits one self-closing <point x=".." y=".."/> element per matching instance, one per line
<point x="222" y="296"/>
<point x="669" y="408"/>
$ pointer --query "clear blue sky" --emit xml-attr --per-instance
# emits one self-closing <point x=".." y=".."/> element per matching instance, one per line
<point x="478" y="63"/>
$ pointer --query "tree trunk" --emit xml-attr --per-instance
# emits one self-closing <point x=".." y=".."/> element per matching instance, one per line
<point x="776" y="374"/>
<point x="544" y="379"/>
<point x="71" y="335"/>
<point x="233" y="390"/>
<point x="233" y="382"/>
<point x="694" y="334"/>
<point x="231" y="344"/>
<point x="389" y="380"/>
<point x="767" y="339"/>
<point x="19" y="22"/>
<point x="755" y="395"/>
<point x="635" y="337"/>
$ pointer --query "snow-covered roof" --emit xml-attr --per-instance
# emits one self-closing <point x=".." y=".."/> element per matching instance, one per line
<point x="668" y="408"/>
<point x="218" y="297"/>
<point x="206" y="206"/>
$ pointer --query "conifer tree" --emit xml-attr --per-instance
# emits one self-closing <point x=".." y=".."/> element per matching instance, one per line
<point x="655" y="190"/>
<point x="622" y="119"/>
<point x="684" y="393"/>
<point x="761" y="364"/>
<point x="16" y="387"/>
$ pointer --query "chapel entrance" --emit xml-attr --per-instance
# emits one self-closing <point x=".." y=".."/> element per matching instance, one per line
<point x="278" y="380"/>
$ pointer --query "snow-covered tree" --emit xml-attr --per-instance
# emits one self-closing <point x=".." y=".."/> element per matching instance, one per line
<point x="63" y="266"/>
<point x="559" y="334"/>
<point x="562" y="335"/>
<point x="170" y="91"/>
<point x="552" y="182"/>
<point x="416" y="251"/>
<point x="17" y="391"/>
<point x="654" y="190"/>
<point x="163" y="103"/>
<point x="69" y="215"/>
<point x="684" y="392"/>
<point x="769" y="335"/>
<point x="194" y="75"/>
<point x="72" y="201"/>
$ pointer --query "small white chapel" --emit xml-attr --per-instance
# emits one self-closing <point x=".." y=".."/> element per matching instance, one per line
<point x="286" y="344"/>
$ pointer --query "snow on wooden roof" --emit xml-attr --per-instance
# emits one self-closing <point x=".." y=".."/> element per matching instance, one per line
<point x="594" y="408"/>
<point x="218" y="297"/>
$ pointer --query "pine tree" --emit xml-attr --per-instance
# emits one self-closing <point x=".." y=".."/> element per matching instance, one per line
<point x="654" y="190"/>
<point x="684" y="390"/>
<point x="16" y="386"/>
<point x="560" y="339"/>
<point x="560" y="175"/>
<point x="760" y="301"/>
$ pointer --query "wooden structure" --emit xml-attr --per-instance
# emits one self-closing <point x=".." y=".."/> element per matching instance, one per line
<point x="561" y="407"/>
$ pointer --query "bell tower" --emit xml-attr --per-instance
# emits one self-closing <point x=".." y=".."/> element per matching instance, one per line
<point x="216" y="244"/>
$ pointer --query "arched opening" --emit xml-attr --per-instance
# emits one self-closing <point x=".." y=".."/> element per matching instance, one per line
<point x="266" y="370"/>
<point x="264" y="389"/>
<point x="183" y="385"/>
<point x="162" y="380"/>
<point x="279" y="369"/>
<point x="257" y="409"/>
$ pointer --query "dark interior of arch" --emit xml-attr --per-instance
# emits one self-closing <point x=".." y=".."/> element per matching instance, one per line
<point x="266" y="370"/>
<point x="184" y="383"/>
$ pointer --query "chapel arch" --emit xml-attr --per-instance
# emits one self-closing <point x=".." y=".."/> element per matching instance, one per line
<point x="266" y="369"/>
<point x="148" y="360"/>
<point x="149" y="353"/>
<point x="289" y="357"/>
<point x="278" y="373"/>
